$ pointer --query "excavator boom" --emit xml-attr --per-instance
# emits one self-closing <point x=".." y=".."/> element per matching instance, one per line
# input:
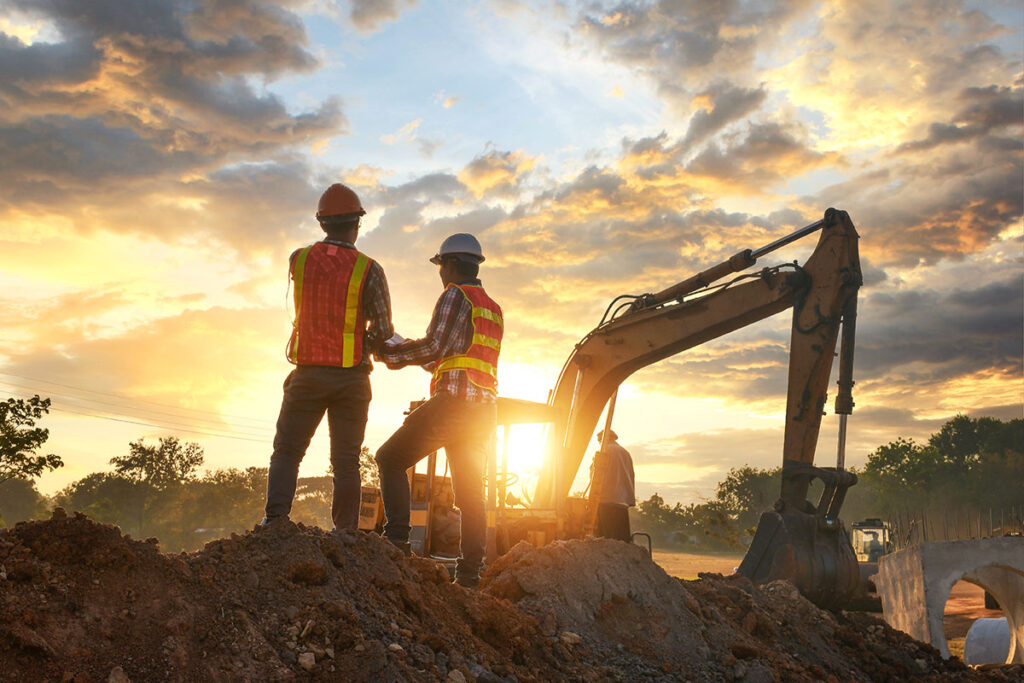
<point x="657" y="326"/>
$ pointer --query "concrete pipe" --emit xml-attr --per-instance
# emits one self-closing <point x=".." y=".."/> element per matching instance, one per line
<point x="987" y="642"/>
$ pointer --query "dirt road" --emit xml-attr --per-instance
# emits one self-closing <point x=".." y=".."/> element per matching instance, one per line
<point x="689" y="565"/>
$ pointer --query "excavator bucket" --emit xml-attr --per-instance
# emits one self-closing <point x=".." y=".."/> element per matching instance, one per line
<point x="804" y="544"/>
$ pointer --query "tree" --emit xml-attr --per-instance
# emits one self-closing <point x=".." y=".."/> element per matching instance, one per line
<point x="368" y="471"/>
<point x="970" y="463"/>
<point x="153" y="474"/>
<point x="109" y="498"/>
<point x="19" y="501"/>
<point x="19" y="439"/>
<point x="160" y="466"/>
<point x="746" y="492"/>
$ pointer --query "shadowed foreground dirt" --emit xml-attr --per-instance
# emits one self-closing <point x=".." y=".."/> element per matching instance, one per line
<point x="80" y="602"/>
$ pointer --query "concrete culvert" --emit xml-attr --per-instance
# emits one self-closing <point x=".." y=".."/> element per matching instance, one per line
<point x="987" y="642"/>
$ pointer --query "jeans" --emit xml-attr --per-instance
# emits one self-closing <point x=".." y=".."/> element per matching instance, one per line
<point x="613" y="522"/>
<point x="309" y="392"/>
<point x="464" y="429"/>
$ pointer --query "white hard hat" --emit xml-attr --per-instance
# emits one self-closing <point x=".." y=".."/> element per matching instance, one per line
<point x="462" y="246"/>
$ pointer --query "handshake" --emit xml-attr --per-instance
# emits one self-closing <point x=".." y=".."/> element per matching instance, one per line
<point x="389" y="345"/>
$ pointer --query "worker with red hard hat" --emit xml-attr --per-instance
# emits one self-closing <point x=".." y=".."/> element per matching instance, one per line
<point x="342" y="314"/>
<point x="460" y="349"/>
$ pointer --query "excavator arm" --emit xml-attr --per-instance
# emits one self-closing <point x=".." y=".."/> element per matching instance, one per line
<point x="653" y="327"/>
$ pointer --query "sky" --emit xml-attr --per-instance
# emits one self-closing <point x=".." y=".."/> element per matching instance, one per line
<point x="162" y="159"/>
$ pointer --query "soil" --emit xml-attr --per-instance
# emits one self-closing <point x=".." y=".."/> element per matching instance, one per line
<point x="81" y="602"/>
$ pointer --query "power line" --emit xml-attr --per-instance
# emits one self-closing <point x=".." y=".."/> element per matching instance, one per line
<point x="156" y="426"/>
<point x="120" y="396"/>
<point x="147" y="414"/>
<point x="66" y="403"/>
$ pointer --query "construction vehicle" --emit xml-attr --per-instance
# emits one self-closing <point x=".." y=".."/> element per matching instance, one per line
<point x="870" y="538"/>
<point x="797" y="540"/>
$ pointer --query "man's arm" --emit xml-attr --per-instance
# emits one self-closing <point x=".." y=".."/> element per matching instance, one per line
<point x="452" y="313"/>
<point x="377" y="308"/>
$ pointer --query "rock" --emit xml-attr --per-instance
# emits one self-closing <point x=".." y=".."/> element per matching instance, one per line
<point x="307" y="660"/>
<point x="117" y="675"/>
<point x="329" y="651"/>
<point x="570" y="638"/>
<point x="395" y="647"/>
<point x="61" y="513"/>
<point x="306" y="629"/>
<point x="455" y="676"/>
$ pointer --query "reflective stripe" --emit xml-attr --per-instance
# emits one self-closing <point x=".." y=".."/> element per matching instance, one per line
<point x="480" y="312"/>
<point x="355" y="285"/>
<point x="297" y="271"/>
<point x="489" y="342"/>
<point x="465" y="363"/>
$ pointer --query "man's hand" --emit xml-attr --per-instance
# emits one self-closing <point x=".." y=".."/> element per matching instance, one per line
<point x="388" y="346"/>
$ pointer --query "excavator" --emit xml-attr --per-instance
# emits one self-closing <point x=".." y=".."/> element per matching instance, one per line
<point x="799" y="541"/>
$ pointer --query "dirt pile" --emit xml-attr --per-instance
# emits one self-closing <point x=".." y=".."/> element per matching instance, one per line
<point x="81" y="602"/>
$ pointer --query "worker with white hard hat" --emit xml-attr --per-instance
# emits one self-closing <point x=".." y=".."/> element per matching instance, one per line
<point x="461" y="350"/>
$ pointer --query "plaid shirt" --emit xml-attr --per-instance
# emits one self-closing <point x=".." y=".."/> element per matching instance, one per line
<point x="450" y="333"/>
<point x="376" y="305"/>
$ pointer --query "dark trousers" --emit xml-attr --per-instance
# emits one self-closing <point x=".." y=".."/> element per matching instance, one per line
<point x="613" y="522"/>
<point x="309" y="392"/>
<point x="464" y="429"/>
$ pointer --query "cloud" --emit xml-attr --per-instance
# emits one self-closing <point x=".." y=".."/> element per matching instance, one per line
<point x="722" y="104"/>
<point x="984" y="110"/>
<point x="496" y="172"/>
<point x="681" y="48"/>
<point x="445" y="100"/>
<point x="406" y="132"/>
<point x="370" y="15"/>
<point x="179" y="359"/>
<point x="939" y="336"/>
<point x="138" y="99"/>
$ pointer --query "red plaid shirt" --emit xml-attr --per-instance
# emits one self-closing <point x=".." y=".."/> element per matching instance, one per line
<point x="449" y="333"/>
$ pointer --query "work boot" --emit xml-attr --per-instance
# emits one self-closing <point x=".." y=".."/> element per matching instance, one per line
<point x="404" y="546"/>
<point x="267" y="521"/>
<point x="467" y="574"/>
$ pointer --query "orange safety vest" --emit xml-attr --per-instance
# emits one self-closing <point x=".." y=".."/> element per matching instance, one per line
<point x="480" y="360"/>
<point x="329" y="323"/>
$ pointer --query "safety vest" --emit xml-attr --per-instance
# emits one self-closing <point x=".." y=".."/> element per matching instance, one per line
<point x="329" y="323"/>
<point x="480" y="361"/>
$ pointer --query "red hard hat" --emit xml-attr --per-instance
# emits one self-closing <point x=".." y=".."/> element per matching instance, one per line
<point x="338" y="200"/>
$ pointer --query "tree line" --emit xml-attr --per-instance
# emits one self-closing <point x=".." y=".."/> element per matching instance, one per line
<point x="970" y="465"/>
<point x="156" y="490"/>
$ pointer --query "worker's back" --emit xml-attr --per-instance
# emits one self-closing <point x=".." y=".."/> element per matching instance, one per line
<point x="619" y="484"/>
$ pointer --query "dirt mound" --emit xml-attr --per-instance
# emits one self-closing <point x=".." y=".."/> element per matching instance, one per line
<point x="644" y="622"/>
<point x="81" y="602"/>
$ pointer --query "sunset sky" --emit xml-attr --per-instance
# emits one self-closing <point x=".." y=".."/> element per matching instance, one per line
<point x="161" y="159"/>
